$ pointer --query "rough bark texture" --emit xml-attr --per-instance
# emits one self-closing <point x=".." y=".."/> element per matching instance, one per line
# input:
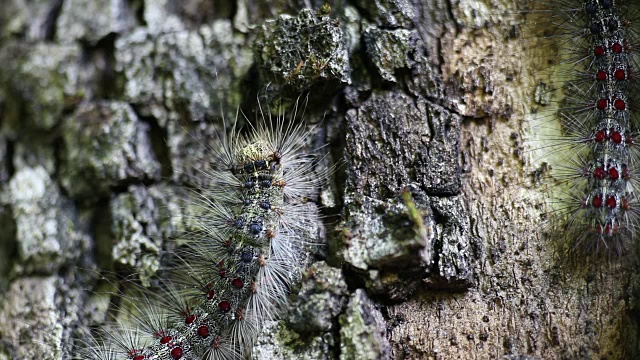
<point x="435" y="219"/>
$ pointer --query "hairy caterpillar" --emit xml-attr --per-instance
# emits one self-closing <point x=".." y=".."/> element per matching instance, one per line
<point x="179" y="61"/>
<point x="583" y="121"/>
<point x="235" y="271"/>
<point x="246" y="280"/>
<point x="595" y="156"/>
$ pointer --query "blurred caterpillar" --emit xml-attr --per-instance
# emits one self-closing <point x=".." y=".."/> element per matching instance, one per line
<point x="597" y="150"/>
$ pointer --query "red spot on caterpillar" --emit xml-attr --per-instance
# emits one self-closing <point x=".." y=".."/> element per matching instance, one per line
<point x="601" y="75"/>
<point x="237" y="283"/>
<point x="598" y="229"/>
<point x="240" y="313"/>
<point x="602" y="104"/>
<point x="613" y="174"/>
<point x="624" y="204"/>
<point x="216" y="342"/>
<point x="190" y="319"/>
<point x="619" y="75"/>
<point x="165" y="339"/>
<point x="600" y="136"/>
<point x="616" y="137"/>
<point x="598" y="51"/>
<point x="135" y="354"/>
<point x="598" y="173"/>
<point x="597" y="201"/>
<point x="211" y="294"/>
<point x="176" y="353"/>
<point x="203" y="331"/>
<point x="222" y="273"/>
<point x="611" y="202"/>
<point x="224" y="306"/>
<point x="619" y="104"/>
<point x="616" y="48"/>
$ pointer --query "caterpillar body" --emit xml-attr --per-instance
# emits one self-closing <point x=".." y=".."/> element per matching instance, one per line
<point x="597" y="154"/>
<point x="582" y="55"/>
<point x="236" y="269"/>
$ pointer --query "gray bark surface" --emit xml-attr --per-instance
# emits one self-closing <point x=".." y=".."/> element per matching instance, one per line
<point x="436" y="243"/>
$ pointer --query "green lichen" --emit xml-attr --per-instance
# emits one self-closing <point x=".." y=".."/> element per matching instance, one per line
<point x="362" y="331"/>
<point x="388" y="50"/>
<point x="105" y="145"/>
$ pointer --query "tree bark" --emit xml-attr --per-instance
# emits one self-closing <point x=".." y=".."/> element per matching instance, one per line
<point x="436" y="243"/>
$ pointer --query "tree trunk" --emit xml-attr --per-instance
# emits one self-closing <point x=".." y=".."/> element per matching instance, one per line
<point x="435" y="228"/>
